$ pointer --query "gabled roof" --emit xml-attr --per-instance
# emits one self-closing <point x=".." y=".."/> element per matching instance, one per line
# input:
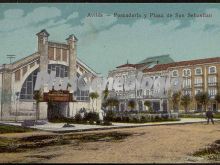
<point x="161" y="67"/>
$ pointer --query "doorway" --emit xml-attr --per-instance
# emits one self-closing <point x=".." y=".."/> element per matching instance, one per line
<point x="57" y="110"/>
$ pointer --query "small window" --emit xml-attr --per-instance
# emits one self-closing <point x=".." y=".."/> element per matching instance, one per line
<point x="212" y="69"/>
<point x="186" y="72"/>
<point x="198" y="71"/>
<point x="17" y="75"/>
<point x="175" y="73"/>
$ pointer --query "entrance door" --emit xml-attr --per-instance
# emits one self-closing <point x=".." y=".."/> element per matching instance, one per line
<point x="156" y="106"/>
<point x="165" y="105"/>
<point x="140" y="105"/>
<point x="57" y="110"/>
<point x="199" y="107"/>
<point x="214" y="107"/>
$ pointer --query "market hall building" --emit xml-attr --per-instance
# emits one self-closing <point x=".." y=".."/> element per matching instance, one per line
<point x="17" y="81"/>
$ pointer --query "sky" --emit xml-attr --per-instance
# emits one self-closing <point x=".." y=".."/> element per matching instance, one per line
<point x="109" y="40"/>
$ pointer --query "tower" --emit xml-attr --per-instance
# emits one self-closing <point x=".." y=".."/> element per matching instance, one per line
<point x="43" y="49"/>
<point x="71" y="41"/>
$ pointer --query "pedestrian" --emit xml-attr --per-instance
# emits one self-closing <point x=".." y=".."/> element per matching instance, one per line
<point x="209" y="116"/>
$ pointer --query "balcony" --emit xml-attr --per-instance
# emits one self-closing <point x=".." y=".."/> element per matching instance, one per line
<point x="198" y="85"/>
<point x="187" y="87"/>
<point x="212" y="84"/>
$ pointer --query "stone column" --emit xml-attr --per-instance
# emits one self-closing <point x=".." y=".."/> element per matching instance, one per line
<point x="72" y="40"/>
<point x="6" y="98"/>
<point x="43" y="51"/>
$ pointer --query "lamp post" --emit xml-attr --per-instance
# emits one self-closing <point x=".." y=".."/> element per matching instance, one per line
<point x="17" y="100"/>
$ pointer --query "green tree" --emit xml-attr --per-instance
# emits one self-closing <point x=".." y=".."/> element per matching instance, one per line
<point x="38" y="98"/>
<point x="112" y="102"/>
<point x="147" y="103"/>
<point x="106" y="93"/>
<point x="217" y="97"/>
<point x="132" y="104"/>
<point x="185" y="102"/>
<point x="203" y="99"/>
<point x="93" y="96"/>
<point x="176" y="101"/>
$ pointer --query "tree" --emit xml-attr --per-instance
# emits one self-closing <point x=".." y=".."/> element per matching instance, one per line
<point x="37" y="97"/>
<point x="106" y="93"/>
<point x="147" y="104"/>
<point x="132" y="104"/>
<point x="217" y="97"/>
<point x="203" y="98"/>
<point x="185" y="102"/>
<point x="93" y="96"/>
<point x="176" y="100"/>
<point x="112" y="102"/>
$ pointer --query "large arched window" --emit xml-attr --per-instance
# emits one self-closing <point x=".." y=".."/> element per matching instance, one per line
<point x="27" y="89"/>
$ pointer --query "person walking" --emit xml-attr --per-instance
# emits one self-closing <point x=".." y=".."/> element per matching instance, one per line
<point x="209" y="116"/>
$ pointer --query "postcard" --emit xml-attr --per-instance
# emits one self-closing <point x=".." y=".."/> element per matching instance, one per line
<point x="109" y="83"/>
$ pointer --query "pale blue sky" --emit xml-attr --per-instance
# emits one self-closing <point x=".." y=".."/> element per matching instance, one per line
<point x="109" y="41"/>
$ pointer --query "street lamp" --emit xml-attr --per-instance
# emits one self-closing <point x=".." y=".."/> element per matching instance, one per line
<point x="17" y="99"/>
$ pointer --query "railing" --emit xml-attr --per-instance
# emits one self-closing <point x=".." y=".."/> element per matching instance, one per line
<point x="187" y="87"/>
<point x="198" y="84"/>
<point x="213" y="84"/>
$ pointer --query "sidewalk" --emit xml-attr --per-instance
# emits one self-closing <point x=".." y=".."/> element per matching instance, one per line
<point x="58" y="127"/>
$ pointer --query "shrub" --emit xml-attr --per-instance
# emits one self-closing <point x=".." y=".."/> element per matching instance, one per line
<point x="110" y="115"/>
<point x="91" y="122"/>
<point x="118" y="119"/>
<point x="165" y="116"/>
<point x="157" y="118"/>
<point x="106" y="122"/>
<point x="98" y="122"/>
<point x="143" y="119"/>
<point x="78" y="118"/>
<point x="125" y="119"/>
<point x="91" y="116"/>
<point x="135" y="120"/>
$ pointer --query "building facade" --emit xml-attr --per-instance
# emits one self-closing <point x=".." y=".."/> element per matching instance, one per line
<point x="17" y="80"/>
<point x="202" y="75"/>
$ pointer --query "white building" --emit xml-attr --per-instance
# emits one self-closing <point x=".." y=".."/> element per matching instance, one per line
<point x="17" y="80"/>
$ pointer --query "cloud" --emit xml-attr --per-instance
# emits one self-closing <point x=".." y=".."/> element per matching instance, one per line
<point x="15" y="19"/>
<point x="13" y="14"/>
<point x="104" y="42"/>
<point x="144" y="39"/>
<point x="73" y="16"/>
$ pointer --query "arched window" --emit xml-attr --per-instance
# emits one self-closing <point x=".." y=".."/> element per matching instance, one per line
<point x="27" y="89"/>
<point x="212" y="69"/>
<point x="175" y="73"/>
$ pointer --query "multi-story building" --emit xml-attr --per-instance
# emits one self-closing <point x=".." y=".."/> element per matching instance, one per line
<point x="17" y="80"/>
<point x="202" y="75"/>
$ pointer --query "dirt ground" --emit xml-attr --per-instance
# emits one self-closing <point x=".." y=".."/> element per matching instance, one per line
<point x="151" y="144"/>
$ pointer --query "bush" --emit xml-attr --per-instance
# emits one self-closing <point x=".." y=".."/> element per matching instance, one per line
<point x="125" y="119"/>
<point x="135" y="120"/>
<point x="157" y="118"/>
<point x="110" y="116"/>
<point x="91" y="122"/>
<point x="91" y="116"/>
<point x="143" y="119"/>
<point x="165" y="116"/>
<point x="78" y="118"/>
<point x="118" y="119"/>
<point x="107" y="123"/>
<point x="98" y="122"/>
